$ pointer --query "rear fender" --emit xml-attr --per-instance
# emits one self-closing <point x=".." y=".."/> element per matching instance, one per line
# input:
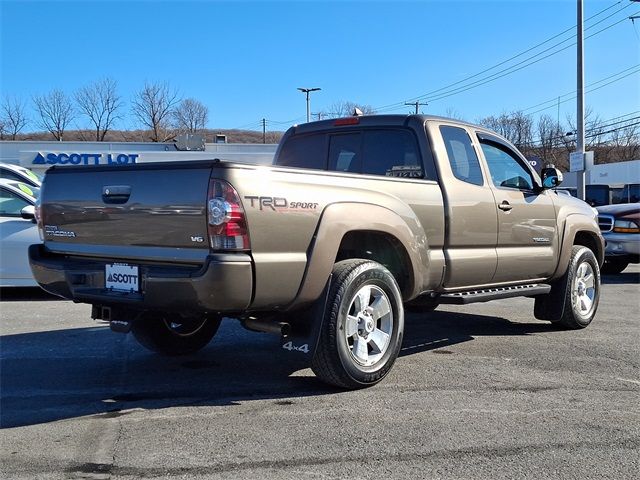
<point x="341" y="218"/>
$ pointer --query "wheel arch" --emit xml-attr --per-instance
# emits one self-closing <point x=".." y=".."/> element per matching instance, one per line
<point x="350" y="230"/>
<point x="579" y="232"/>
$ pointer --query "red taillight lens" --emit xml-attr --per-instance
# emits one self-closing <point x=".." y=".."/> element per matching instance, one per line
<point x="226" y="222"/>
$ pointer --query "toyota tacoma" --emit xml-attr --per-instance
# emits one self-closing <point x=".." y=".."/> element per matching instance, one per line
<point x="357" y="220"/>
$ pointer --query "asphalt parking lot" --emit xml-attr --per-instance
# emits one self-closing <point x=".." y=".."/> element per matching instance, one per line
<point x="482" y="391"/>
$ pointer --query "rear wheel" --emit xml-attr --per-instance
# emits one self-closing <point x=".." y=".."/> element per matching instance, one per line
<point x="174" y="335"/>
<point x="612" y="267"/>
<point x="363" y="326"/>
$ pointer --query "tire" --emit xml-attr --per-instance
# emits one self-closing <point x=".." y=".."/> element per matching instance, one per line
<point x="573" y="300"/>
<point x="168" y="337"/>
<point x="612" y="267"/>
<point x="362" y="328"/>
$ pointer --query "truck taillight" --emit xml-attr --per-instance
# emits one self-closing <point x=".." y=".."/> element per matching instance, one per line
<point x="226" y="222"/>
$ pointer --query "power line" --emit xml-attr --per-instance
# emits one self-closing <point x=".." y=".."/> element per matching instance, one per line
<point x="554" y="100"/>
<point x="448" y="91"/>
<point x="589" y="91"/>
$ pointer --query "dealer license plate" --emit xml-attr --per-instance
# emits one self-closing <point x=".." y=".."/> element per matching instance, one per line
<point x="121" y="277"/>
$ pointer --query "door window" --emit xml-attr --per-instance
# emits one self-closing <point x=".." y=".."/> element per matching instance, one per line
<point x="462" y="157"/>
<point x="506" y="169"/>
<point x="11" y="204"/>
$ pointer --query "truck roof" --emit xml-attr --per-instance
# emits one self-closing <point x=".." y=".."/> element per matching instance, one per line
<point x="373" y="121"/>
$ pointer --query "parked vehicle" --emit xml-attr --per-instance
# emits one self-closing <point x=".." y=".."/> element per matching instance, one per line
<point x="17" y="232"/>
<point x="620" y="226"/>
<point x="19" y="174"/>
<point x="358" y="218"/>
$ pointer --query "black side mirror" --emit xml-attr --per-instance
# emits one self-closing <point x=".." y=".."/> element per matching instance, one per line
<point x="551" y="177"/>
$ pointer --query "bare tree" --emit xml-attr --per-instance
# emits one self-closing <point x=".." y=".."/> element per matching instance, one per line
<point x="190" y="115"/>
<point x="55" y="111"/>
<point x="346" y="109"/>
<point x="14" y="118"/>
<point x="451" y="112"/>
<point x="100" y="102"/>
<point x="153" y="106"/>
<point x="515" y="127"/>
<point x="550" y="135"/>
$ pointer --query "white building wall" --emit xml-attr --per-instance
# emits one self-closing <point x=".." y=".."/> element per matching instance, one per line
<point x="39" y="156"/>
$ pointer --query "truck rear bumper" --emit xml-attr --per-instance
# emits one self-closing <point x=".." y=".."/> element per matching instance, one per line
<point x="223" y="284"/>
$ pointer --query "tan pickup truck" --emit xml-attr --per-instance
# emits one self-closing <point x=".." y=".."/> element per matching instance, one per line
<point x="358" y="220"/>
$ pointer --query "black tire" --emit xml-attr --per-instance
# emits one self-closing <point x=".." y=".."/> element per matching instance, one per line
<point x="572" y="302"/>
<point x="336" y="360"/>
<point x="612" y="267"/>
<point x="162" y="335"/>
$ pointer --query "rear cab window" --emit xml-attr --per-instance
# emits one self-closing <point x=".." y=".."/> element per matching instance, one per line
<point x="390" y="152"/>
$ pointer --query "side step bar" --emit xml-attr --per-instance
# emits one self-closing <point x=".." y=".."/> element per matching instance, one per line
<point x="475" y="296"/>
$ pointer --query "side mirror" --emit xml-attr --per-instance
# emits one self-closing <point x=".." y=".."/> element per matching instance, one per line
<point x="551" y="177"/>
<point x="28" y="212"/>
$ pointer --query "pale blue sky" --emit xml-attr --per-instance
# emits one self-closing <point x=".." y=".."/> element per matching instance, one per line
<point x="244" y="60"/>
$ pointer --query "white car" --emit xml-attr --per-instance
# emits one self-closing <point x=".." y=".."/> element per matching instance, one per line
<point x="17" y="232"/>
<point x="20" y="174"/>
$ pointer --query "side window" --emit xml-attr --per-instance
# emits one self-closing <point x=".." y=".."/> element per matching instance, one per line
<point x="11" y="204"/>
<point x="304" y="151"/>
<point x="505" y="168"/>
<point x="462" y="157"/>
<point x="393" y="153"/>
<point x="8" y="174"/>
<point x="344" y="153"/>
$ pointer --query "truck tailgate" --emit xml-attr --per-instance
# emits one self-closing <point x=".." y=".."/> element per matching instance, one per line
<point x="122" y="212"/>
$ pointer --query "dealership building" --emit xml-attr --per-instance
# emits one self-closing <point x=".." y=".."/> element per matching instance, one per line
<point x="39" y="156"/>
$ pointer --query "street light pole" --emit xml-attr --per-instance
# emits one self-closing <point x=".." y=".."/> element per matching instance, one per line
<point x="580" y="95"/>
<point x="307" y="91"/>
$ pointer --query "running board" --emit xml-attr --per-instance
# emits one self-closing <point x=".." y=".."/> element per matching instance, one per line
<point x="486" y="295"/>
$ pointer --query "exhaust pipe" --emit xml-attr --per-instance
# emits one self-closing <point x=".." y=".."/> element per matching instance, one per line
<point x="267" y="326"/>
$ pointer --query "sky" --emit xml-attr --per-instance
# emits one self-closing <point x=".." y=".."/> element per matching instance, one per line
<point x="245" y="60"/>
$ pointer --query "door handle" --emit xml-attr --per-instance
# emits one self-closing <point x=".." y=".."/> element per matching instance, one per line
<point x="505" y="206"/>
<point x="116" y="193"/>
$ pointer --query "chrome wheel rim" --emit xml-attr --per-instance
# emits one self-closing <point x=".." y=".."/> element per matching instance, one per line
<point x="584" y="289"/>
<point x="369" y="325"/>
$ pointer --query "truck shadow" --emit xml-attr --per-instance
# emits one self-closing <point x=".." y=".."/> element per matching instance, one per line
<point x="629" y="277"/>
<point x="89" y="372"/>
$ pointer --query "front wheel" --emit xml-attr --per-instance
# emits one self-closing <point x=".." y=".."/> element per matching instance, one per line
<point x="573" y="300"/>
<point x="363" y="326"/>
<point x="174" y="336"/>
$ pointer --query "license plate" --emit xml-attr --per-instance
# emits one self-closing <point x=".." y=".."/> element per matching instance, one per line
<point x="121" y="277"/>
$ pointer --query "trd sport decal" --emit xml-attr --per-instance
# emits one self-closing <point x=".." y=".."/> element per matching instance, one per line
<point x="278" y="203"/>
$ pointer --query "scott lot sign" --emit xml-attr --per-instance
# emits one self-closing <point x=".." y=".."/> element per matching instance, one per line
<point x="62" y="158"/>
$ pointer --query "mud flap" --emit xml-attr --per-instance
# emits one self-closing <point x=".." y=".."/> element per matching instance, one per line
<point x="550" y="306"/>
<point x="305" y="334"/>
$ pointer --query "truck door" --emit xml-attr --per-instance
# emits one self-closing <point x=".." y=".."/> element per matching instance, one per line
<point x="470" y="211"/>
<point x="527" y="232"/>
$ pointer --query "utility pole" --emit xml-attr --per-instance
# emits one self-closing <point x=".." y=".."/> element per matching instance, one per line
<point x="415" y="104"/>
<point x="264" y="130"/>
<point x="307" y="91"/>
<point x="580" y="97"/>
